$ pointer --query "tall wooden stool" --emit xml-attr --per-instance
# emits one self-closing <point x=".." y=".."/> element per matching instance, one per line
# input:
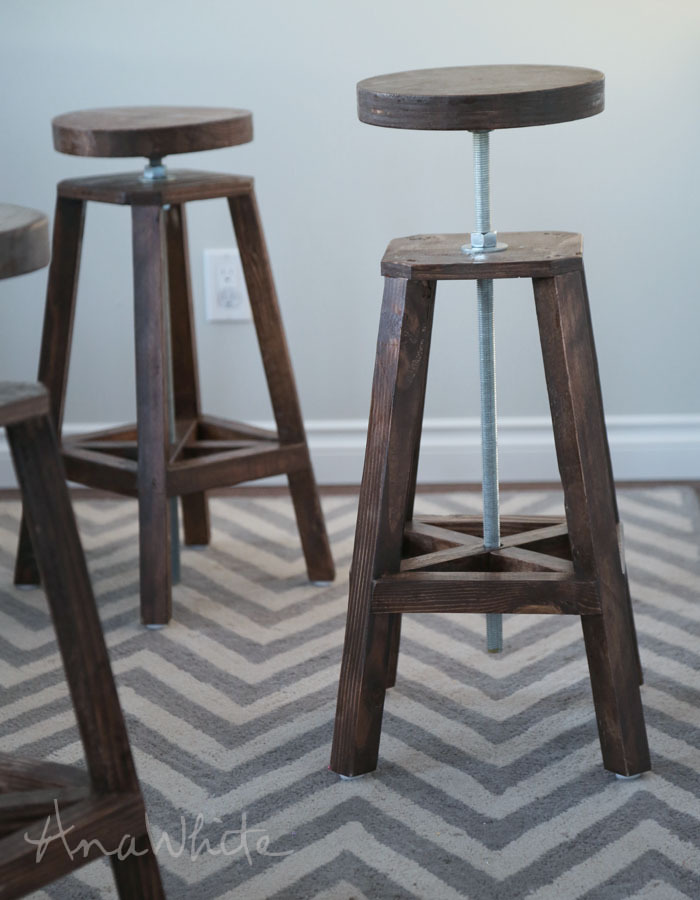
<point x="157" y="459"/>
<point x="486" y="565"/>
<point x="105" y="804"/>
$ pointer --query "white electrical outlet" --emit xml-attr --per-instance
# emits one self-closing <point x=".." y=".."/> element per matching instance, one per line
<point x="224" y="287"/>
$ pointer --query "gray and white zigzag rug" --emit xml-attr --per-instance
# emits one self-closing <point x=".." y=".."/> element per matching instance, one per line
<point x="490" y="783"/>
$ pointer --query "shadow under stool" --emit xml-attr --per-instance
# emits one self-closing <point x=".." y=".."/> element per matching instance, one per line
<point x="173" y="450"/>
<point x="103" y="805"/>
<point x="427" y="564"/>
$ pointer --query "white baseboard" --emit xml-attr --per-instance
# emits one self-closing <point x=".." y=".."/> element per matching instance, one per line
<point x="645" y="448"/>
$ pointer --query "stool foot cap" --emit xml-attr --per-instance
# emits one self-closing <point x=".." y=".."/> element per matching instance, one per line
<point x="351" y="777"/>
<point x="320" y="583"/>
<point x="628" y="777"/>
<point x="155" y="627"/>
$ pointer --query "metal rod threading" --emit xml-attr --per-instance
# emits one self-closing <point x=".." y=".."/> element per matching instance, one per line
<point x="487" y="380"/>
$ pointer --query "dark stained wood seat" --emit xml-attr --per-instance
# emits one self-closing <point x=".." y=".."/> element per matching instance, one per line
<point x="103" y="804"/>
<point x="405" y="563"/>
<point x="440" y="257"/>
<point x="155" y="459"/>
<point x="480" y="98"/>
<point x="151" y="131"/>
<point x="21" y="400"/>
<point x="24" y="241"/>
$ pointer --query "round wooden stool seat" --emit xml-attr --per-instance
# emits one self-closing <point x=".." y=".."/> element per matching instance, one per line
<point x="24" y="240"/>
<point x="151" y="131"/>
<point x="480" y="98"/>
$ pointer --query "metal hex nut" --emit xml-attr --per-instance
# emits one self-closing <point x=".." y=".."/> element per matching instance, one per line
<point x="484" y="240"/>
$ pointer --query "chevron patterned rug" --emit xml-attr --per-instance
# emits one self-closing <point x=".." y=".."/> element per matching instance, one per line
<point x="490" y="782"/>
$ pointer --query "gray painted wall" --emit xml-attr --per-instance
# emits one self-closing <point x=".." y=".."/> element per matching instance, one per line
<point x="333" y="192"/>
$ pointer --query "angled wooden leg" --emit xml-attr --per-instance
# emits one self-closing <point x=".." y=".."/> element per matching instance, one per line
<point x="280" y="380"/>
<point x="81" y="643"/>
<point x="608" y="462"/>
<point x="579" y="431"/>
<point x="59" y="314"/>
<point x="421" y="383"/>
<point x="151" y="413"/>
<point x="394" y="426"/>
<point x="195" y="509"/>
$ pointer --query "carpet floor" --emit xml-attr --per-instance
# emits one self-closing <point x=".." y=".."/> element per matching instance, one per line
<point x="490" y="783"/>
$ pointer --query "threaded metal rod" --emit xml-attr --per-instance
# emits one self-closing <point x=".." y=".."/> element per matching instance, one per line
<point x="487" y="380"/>
<point x="482" y="181"/>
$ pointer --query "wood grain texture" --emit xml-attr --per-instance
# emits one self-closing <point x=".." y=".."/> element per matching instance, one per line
<point x="17" y="810"/>
<point x="195" y="509"/>
<point x="151" y="414"/>
<point x="235" y="466"/>
<point x="130" y="189"/>
<point x="103" y="471"/>
<point x="427" y="538"/>
<point x="19" y="401"/>
<point x="106" y="435"/>
<point x="216" y="428"/>
<point x="18" y="774"/>
<point x="485" y="592"/>
<point x="440" y="256"/>
<point x="474" y="525"/>
<point x="394" y="626"/>
<point x="115" y="805"/>
<point x="520" y="559"/>
<point x="24" y="240"/>
<point x="463" y="550"/>
<point x="478" y="98"/>
<point x="57" y="333"/>
<point x="280" y="381"/>
<point x="151" y="131"/>
<point x="69" y="593"/>
<point x="569" y="357"/>
<point x="402" y="355"/>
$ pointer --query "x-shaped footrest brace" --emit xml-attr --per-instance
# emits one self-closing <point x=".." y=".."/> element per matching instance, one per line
<point x="536" y="545"/>
<point x="206" y="453"/>
<point x="445" y="568"/>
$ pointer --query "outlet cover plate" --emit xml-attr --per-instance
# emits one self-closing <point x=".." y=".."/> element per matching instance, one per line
<point x="224" y="286"/>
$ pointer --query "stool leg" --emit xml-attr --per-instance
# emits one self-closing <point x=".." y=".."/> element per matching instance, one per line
<point x="385" y="499"/>
<point x="195" y="509"/>
<point x="59" y="314"/>
<point x="599" y="397"/>
<point x="582" y="451"/>
<point x="280" y="380"/>
<point x="421" y="384"/>
<point x="151" y="414"/>
<point x="79" y="634"/>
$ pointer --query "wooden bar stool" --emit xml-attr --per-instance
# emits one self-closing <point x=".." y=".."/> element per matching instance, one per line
<point x="197" y="453"/>
<point x="447" y="564"/>
<point x="103" y="804"/>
